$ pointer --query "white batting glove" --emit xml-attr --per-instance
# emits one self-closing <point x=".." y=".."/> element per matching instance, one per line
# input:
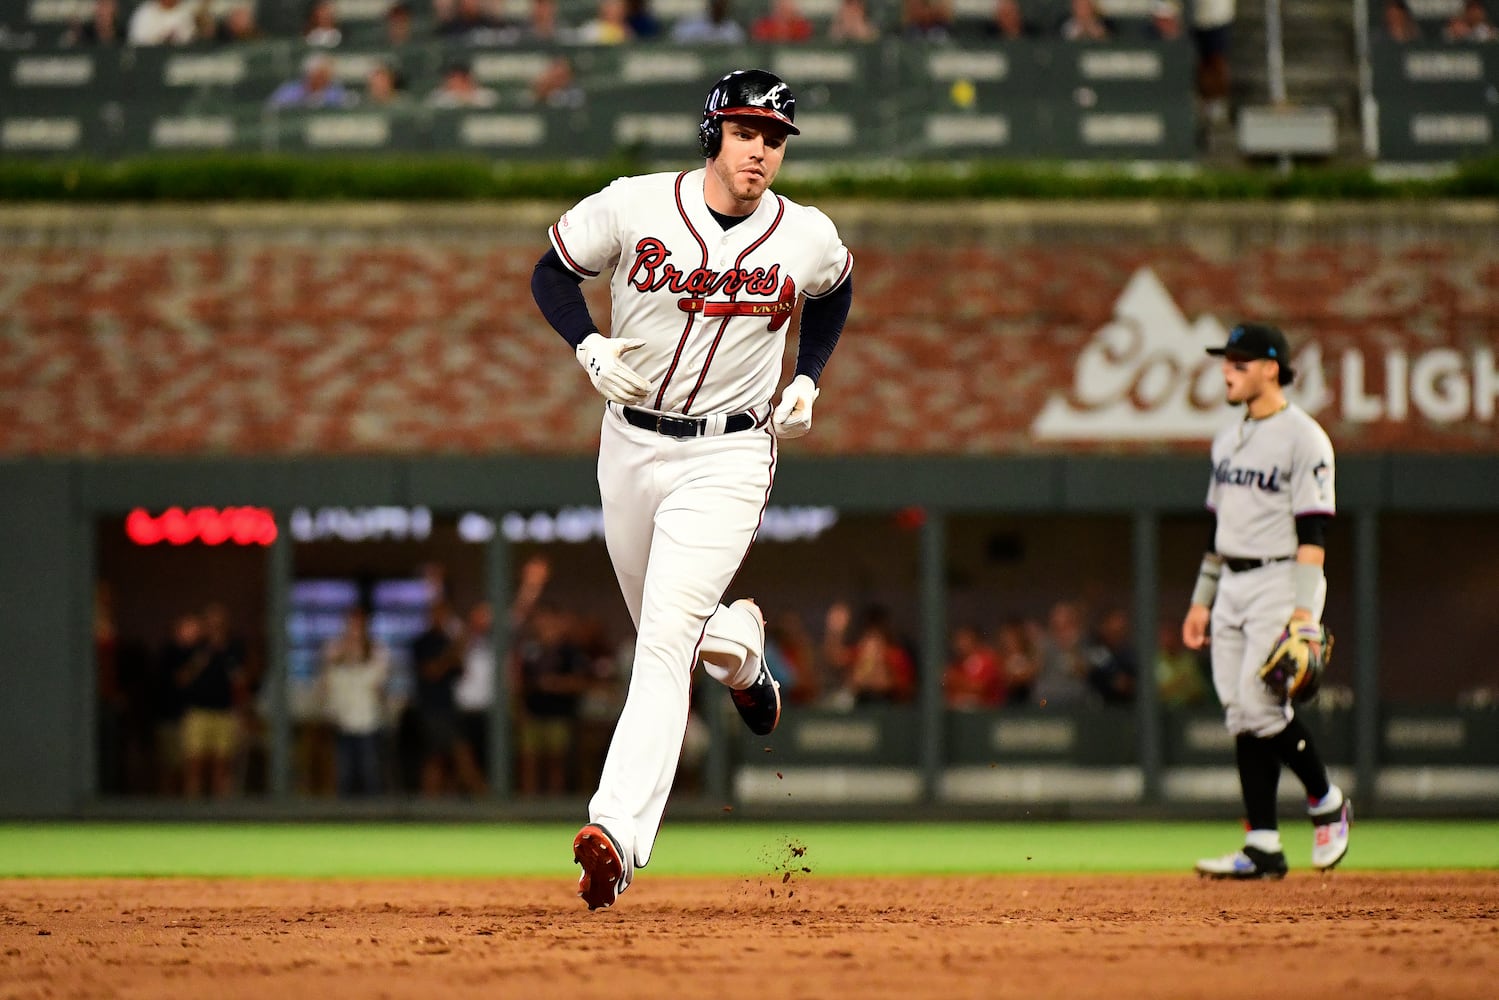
<point x="601" y="358"/>
<point x="793" y="417"/>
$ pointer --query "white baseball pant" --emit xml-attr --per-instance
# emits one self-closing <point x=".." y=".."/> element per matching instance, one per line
<point x="680" y="515"/>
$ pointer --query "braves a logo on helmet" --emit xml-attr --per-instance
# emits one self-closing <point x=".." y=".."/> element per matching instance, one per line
<point x="775" y="97"/>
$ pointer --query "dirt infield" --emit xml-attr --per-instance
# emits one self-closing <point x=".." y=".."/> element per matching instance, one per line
<point x="788" y="934"/>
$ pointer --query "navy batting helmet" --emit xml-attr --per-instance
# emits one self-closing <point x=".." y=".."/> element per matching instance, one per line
<point x="746" y="93"/>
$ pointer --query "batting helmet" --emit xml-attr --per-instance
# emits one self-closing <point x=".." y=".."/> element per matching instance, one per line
<point x="747" y="93"/>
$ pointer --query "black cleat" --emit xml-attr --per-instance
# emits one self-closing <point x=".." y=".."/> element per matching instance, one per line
<point x="760" y="704"/>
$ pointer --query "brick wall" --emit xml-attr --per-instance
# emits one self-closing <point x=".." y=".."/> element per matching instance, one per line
<point x="287" y="330"/>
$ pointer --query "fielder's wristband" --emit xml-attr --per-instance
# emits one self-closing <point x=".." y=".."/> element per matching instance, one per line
<point x="1207" y="580"/>
<point x="1307" y="578"/>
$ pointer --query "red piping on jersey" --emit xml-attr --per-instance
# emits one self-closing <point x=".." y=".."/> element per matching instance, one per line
<point x="567" y="257"/>
<point x="780" y="214"/>
<point x="739" y="266"/>
<point x="848" y="265"/>
<point x="686" y="330"/>
<point x="712" y="349"/>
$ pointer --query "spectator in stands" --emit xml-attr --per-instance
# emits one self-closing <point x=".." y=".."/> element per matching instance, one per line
<point x="1113" y="667"/>
<point x="837" y="641"/>
<point x="352" y="692"/>
<point x="474" y="693"/>
<point x="792" y="659"/>
<point x="1062" y="681"/>
<point x="1178" y="671"/>
<point x="1212" y="21"/>
<point x="385" y="87"/>
<point x="1018" y="648"/>
<point x="163" y="22"/>
<point x="1165" y="23"/>
<point x="210" y="683"/>
<point x="322" y="29"/>
<point x="851" y="23"/>
<point x="167" y="704"/>
<point x="459" y="89"/>
<point x="715" y="24"/>
<point x="238" y="25"/>
<point x="929" y="20"/>
<point x="1009" y="22"/>
<point x="974" y="679"/>
<point x="447" y="758"/>
<point x="783" y="22"/>
<point x="1085" y="23"/>
<point x="1471" y="25"/>
<point x="474" y="22"/>
<point x="1400" y="25"/>
<point x="543" y="24"/>
<point x="643" y="22"/>
<point x="554" y="674"/>
<point x="398" y="23"/>
<point x="101" y="28"/>
<point x="880" y="669"/>
<point x="316" y="88"/>
<point x="555" y="86"/>
<point x="608" y="25"/>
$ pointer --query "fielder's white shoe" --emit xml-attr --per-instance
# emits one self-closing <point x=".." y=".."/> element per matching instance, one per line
<point x="1245" y="863"/>
<point x="1330" y="831"/>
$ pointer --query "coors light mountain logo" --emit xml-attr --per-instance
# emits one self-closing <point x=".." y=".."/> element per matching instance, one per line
<point x="1145" y="375"/>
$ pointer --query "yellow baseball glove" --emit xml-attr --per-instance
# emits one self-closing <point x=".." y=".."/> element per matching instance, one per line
<point x="1296" y="662"/>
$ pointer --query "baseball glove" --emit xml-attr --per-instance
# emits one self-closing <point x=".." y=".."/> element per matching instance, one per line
<point x="1296" y="663"/>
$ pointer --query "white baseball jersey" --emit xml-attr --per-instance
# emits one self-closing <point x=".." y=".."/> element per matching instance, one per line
<point x="1266" y="473"/>
<point x="711" y="305"/>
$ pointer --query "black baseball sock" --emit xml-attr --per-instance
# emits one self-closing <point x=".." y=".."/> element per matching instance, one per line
<point x="1294" y="747"/>
<point x="1259" y="779"/>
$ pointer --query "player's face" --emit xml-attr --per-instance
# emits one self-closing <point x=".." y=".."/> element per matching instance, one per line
<point x="749" y="159"/>
<point x="1247" y="379"/>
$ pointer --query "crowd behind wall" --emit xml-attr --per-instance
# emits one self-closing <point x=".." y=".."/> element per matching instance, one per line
<point x="182" y="666"/>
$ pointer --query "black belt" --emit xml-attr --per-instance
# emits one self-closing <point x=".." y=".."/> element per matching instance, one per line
<point x="1242" y="565"/>
<point x="683" y="427"/>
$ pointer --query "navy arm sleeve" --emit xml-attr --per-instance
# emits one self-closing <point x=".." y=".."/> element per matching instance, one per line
<point x="1311" y="529"/>
<point x="559" y="293"/>
<point x="822" y="324"/>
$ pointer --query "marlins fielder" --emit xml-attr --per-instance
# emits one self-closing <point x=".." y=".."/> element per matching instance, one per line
<point x="707" y="267"/>
<point x="1271" y="497"/>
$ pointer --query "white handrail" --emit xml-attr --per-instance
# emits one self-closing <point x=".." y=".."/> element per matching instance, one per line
<point x="1368" y="109"/>
<point x="1275" y="53"/>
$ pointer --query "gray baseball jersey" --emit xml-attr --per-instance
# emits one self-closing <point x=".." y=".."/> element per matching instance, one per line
<point x="1266" y="473"/>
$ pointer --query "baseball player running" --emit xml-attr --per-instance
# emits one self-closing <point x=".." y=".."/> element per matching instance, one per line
<point x="1271" y="496"/>
<point x="707" y="266"/>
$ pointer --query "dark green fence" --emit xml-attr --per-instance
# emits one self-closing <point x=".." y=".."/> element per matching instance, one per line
<point x="1437" y="100"/>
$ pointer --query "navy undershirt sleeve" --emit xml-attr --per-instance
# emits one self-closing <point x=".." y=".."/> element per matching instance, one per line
<point x="1311" y="529"/>
<point x="558" y="292"/>
<point x="822" y="324"/>
<point x="1213" y="531"/>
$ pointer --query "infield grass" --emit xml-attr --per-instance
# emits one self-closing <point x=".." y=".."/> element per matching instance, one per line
<point x="383" y="850"/>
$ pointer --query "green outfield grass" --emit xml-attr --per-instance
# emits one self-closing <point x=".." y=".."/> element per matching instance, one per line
<point x="352" y="850"/>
